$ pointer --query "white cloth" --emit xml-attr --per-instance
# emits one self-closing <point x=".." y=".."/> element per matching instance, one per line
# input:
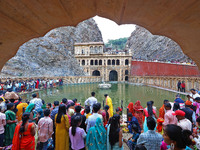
<point x="38" y="102"/>
<point x="194" y="96"/>
<point x="92" y="120"/>
<point x="185" y="124"/>
<point x="90" y="102"/>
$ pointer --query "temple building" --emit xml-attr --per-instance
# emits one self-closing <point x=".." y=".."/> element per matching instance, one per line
<point x="96" y="61"/>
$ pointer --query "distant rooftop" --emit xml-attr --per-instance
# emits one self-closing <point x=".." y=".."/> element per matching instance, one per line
<point x="89" y="43"/>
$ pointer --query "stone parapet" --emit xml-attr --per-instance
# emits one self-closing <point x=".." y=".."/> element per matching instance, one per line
<point x="66" y="79"/>
<point x="169" y="82"/>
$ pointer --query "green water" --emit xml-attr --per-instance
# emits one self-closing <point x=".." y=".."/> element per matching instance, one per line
<point x="119" y="91"/>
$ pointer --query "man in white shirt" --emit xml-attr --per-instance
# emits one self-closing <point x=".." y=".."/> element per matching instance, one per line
<point x="193" y="95"/>
<point x="91" y="101"/>
<point x="37" y="101"/>
<point x="184" y="123"/>
<point x="92" y="119"/>
<point x="2" y="124"/>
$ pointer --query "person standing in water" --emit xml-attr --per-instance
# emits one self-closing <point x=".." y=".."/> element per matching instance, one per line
<point x="109" y="103"/>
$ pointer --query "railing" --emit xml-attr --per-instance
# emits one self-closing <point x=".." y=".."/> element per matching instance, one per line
<point x="167" y="82"/>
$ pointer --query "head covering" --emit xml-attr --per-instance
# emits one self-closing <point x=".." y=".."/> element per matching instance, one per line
<point x="130" y="107"/>
<point x="96" y="136"/>
<point x="137" y="106"/>
<point x="30" y="107"/>
<point x="179" y="113"/>
<point x="11" y="95"/>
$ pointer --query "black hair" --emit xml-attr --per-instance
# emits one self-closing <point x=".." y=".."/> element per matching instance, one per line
<point x="34" y="95"/>
<point x="176" y="106"/>
<point x="168" y="105"/>
<point x="106" y="109"/>
<point x="135" y="128"/>
<point x="93" y="93"/>
<point x="165" y="101"/>
<point x="150" y="108"/>
<point x="61" y="112"/>
<point x="9" y="106"/>
<point x="192" y="90"/>
<point x="25" y="118"/>
<point x="12" y="100"/>
<point x="140" y="147"/>
<point x="78" y="109"/>
<point x="87" y="109"/>
<point x="74" y="100"/>
<point x="49" y="104"/>
<point x="67" y="107"/>
<point x="96" y="108"/>
<point x="46" y="112"/>
<point x="105" y="95"/>
<point x="72" y="104"/>
<point x="75" y="122"/>
<point x="152" y="102"/>
<point x="151" y="123"/>
<point x="198" y="120"/>
<point x="43" y="102"/>
<point x="56" y="103"/>
<point x="197" y="98"/>
<point x="117" y="109"/>
<point x="0" y="108"/>
<point x="114" y="129"/>
<point x="64" y="100"/>
<point x="130" y="115"/>
<point x="176" y="133"/>
<point x="1" y="99"/>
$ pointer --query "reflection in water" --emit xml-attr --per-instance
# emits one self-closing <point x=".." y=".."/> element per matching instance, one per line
<point x="119" y="91"/>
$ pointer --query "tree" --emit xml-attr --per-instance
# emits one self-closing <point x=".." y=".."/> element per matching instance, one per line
<point x="118" y="44"/>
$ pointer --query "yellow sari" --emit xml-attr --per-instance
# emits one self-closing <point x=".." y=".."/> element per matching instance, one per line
<point x="62" y="133"/>
<point x="109" y="103"/>
<point x="20" y="110"/>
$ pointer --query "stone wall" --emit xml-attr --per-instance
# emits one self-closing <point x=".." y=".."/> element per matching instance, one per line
<point x="66" y="79"/>
<point x="167" y="82"/>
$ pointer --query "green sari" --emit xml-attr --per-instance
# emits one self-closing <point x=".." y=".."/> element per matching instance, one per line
<point x="96" y="136"/>
<point x="10" y="128"/>
<point x="29" y="109"/>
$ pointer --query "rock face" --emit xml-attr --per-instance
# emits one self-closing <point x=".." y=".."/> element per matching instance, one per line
<point x="146" y="46"/>
<point x="52" y="55"/>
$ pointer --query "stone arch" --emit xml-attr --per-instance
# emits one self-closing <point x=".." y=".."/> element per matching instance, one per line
<point x="83" y="62"/>
<point x="96" y="73"/>
<point x="100" y="62"/>
<point x="69" y="13"/>
<point x="96" y="62"/>
<point x="126" y="62"/>
<point x="113" y="62"/>
<point x="117" y="62"/>
<point x="91" y="62"/>
<point x="109" y="62"/>
<point x="113" y="75"/>
<point x="126" y="78"/>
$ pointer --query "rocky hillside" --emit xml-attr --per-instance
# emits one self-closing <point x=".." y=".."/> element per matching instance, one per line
<point x="52" y="55"/>
<point x="146" y="46"/>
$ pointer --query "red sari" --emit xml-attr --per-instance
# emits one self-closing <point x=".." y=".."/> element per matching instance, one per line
<point x="130" y="108"/>
<point x="138" y="112"/>
<point x="27" y="140"/>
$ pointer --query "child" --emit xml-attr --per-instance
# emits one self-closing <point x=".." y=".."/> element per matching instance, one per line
<point x="132" y="141"/>
<point x="77" y="134"/>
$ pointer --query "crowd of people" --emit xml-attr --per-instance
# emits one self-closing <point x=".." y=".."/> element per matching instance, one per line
<point x="28" y="85"/>
<point x="181" y="86"/>
<point x="66" y="124"/>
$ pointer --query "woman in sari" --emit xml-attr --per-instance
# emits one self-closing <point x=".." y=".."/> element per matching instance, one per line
<point x="33" y="117"/>
<point x="62" y="129"/>
<point x="21" y="108"/>
<point x="96" y="136"/>
<point x="130" y="108"/>
<point x="114" y="134"/>
<point x="24" y="134"/>
<point x="148" y="112"/>
<point x="10" y="124"/>
<point x="109" y="103"/>
<point x="138" y="112"/>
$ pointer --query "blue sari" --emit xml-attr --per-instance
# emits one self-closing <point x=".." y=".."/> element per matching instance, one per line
<point x="96" y="136"/>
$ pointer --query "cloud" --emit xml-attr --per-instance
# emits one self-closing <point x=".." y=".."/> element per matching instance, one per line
<point x="111" y="30"/>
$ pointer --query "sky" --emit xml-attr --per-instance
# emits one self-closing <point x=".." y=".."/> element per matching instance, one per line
<point x="110" y="30"/>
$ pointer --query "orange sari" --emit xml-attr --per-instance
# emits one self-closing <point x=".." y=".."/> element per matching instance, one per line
<point x="162" y="112"/>
<point x="130" y="108"/>
<point x="27" y="140"/>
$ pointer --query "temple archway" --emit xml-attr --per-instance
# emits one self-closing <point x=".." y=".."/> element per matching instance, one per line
<point x="113" y="75"/>
<point x="96" y="73"/>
